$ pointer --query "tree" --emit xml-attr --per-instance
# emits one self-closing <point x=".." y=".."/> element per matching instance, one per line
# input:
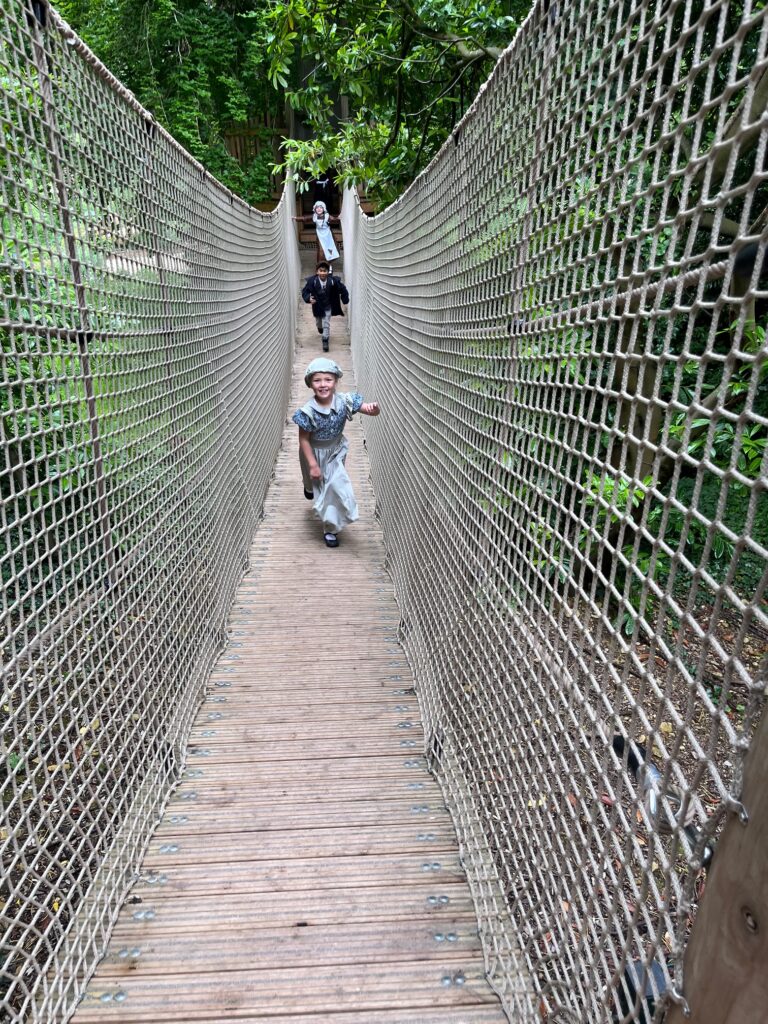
<point x="409" y="69"/>
<point x="197" y="65"/>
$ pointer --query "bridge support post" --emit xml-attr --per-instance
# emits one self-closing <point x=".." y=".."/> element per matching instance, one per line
<point x="725" y="977"/>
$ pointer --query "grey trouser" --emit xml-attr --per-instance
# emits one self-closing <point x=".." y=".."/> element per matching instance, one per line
<point x="324" y="324"/>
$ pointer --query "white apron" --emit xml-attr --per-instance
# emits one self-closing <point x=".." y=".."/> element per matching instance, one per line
<point x="325" y="237"/>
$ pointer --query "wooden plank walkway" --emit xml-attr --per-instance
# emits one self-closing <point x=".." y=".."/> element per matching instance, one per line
<point x="306" y="868"/>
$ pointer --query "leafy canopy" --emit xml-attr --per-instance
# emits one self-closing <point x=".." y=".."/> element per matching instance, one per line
<point x="409" y="71"/>
<point x="198" y="65"/>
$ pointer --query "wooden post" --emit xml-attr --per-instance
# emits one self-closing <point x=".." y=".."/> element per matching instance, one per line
<point x="726" y="962"/>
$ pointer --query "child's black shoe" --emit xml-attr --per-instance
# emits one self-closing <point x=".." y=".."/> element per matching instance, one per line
<point x="331" y="540"/>
<point x="325" y="345"/>
<point x="309" y="495"/>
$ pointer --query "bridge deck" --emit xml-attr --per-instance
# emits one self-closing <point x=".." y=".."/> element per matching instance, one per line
<point x="306" y="868"/>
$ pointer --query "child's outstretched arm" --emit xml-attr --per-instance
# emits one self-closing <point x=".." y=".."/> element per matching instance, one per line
<point x="370" y="409"/>
<point x="305" y="447"/>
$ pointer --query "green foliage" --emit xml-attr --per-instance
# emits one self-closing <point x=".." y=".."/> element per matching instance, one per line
<point x="199" y="66"/>
<point x="409" y="72"/>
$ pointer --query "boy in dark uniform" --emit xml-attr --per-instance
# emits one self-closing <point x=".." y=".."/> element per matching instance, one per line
<point x="325" y="293"/>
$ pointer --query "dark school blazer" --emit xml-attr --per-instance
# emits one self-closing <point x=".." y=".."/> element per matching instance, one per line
<point x="335" y="292"/>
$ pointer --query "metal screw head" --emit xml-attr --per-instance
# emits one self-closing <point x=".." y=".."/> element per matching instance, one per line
<point x="750" y="920"/>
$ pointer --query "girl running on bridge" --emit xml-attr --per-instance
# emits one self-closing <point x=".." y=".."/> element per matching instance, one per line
<point x="326" y="246"/>
<point x="323" y="447"/>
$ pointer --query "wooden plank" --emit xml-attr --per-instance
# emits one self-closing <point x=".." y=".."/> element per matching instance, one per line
<point x="222" y="913"/>
<point x="297" y="946"/>
<point x="320" y="989"/>
<point x="249" y="876"/>
<point x="233" y="794"/>
<point x="389" y="726"/>
<point x="229" y="791"/>
<point x="322" y="769"/>
<point x="279" y="747"/>
<point x="414" y="808"/>
<point x="302" y="843"/>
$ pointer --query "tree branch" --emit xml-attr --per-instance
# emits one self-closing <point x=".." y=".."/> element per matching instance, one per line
<point x="456" y="42"/>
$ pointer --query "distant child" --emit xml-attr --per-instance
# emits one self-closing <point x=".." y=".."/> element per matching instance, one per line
<point x="323" y="447"/>
<point x="326" y="246"/>
<point x="325" y="293"/>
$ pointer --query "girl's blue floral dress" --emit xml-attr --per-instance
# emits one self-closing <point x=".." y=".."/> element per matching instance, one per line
<point x="334" y="500"/>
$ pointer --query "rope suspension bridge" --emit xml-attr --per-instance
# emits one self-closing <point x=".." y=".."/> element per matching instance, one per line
<point x="500" y="756"/>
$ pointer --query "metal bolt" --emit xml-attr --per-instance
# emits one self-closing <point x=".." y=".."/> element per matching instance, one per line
<point x="749" y="920"/>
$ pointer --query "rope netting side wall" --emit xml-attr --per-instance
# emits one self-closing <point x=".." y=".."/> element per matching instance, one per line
<point x="143" y="307"/>
<point x="564" y="321"/>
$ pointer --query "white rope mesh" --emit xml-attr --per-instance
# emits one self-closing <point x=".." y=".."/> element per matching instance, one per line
<point x="144" y="309"/>
<point x="563" y="319"/>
